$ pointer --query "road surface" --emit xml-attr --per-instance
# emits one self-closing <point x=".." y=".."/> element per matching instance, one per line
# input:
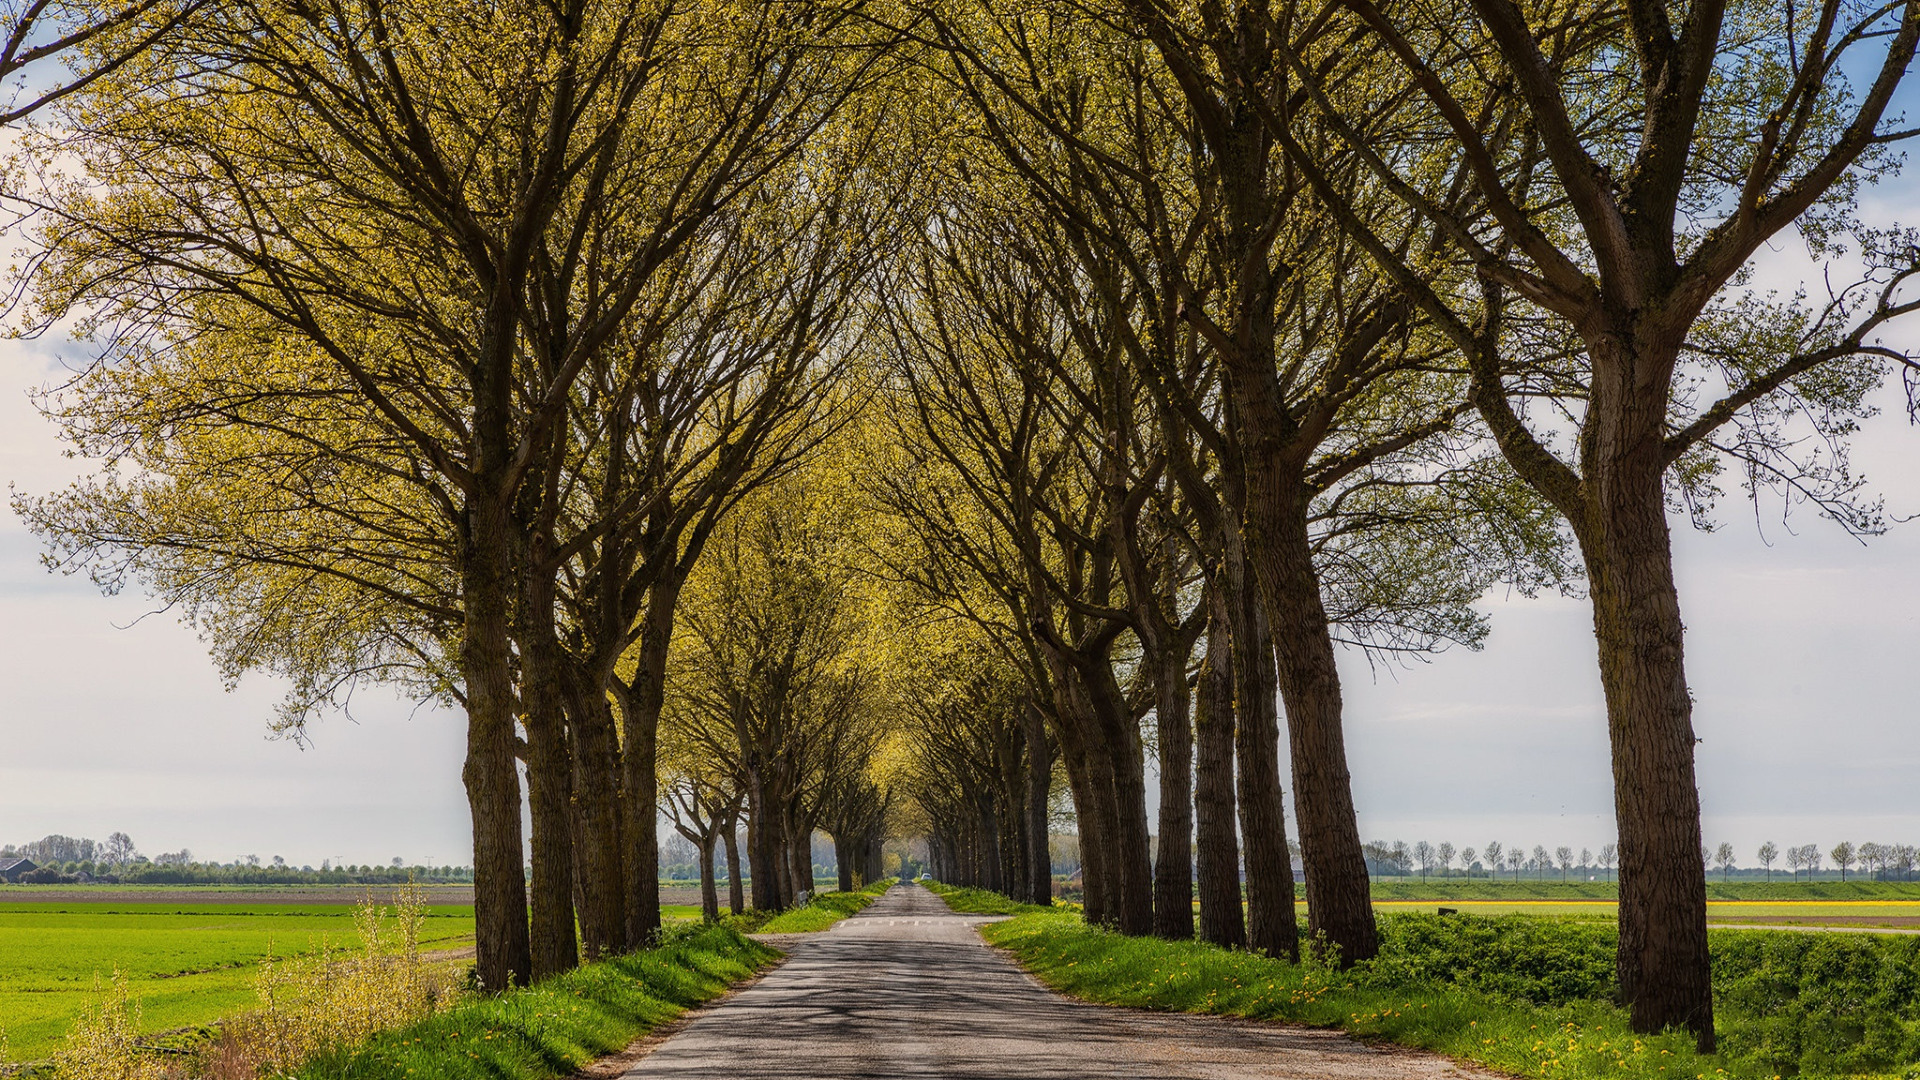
<point x="906" y="989"/>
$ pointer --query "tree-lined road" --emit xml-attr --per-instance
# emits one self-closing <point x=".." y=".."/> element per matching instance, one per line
<point x="907" y="989"/>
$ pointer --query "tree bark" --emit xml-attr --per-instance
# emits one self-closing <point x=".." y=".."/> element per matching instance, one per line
<point x="1039" y="789"/>
<point x="1222" y="921"/>
<point x="709" y="890"/>
<point x="736" y="888"/>
<point x="599" y="852"/>
<point x="1173" y="869"/>
<point x="1339" y="903"/>
<point x="640" y="765"/>
<point x="1126" y="770"/>
<point x="502" y="949"/>
<point x="1272" y="926"/>
<point x="1663" y="963"/>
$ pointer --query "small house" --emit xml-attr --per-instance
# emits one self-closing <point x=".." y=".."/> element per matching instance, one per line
<point x="11" y="869"/>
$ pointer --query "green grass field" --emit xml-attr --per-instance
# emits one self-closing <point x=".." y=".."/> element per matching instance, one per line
<point x="186" y="965"/>
<point x="1885" y="914"/>
<point x="1457" y="888"/>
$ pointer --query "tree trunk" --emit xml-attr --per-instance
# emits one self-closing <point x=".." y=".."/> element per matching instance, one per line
<point x="763" y="836"/>
<point x="1039" y="789"/>
<point x="736" y="888"/>
<point x="549" y="799"/>
<point x="599" y="854"/>
<point x="1272" y="927"/>
<point x="502" y="949"/>
<point x="800" y="859"/>
<point x="640" y="772"/>
<point x="1663" y="963"/>
<point x="1222" y="922"/>
<point x="1082" y="784"/>
<point x="1131" y="848"/>
<point x="1173" y="869"/>
<point x="709" y="890"/>
<point x="843" y="850"/>
<point x="1339" y="903"/>
<point x="549" y="769"/>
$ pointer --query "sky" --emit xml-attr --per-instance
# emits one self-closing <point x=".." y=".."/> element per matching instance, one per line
<point x="1803" y="646"/>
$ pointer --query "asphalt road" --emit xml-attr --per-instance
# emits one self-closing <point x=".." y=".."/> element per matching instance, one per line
<point x="906" y="989"/>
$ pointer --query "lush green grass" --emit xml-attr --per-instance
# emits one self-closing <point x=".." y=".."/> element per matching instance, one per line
<point x="563" y="1023"/>
<point x="1457" y="888"/>
<point x="185" y="966"/>
<point x="979" y="901"/>
<point x="1524" y="995"/>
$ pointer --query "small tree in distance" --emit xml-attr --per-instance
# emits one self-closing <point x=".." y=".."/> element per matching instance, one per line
<point x="1423" y="854"/>
<point x="1565" y="855"/>
<point x="1609" y="854"/>
<point x="1724" y="857"/>
<point x="1843" y="857"/>
<point x="1444" y="853"/>
<point x="1516" y="858"/>
<point x="1768" y="852"/>
<point x="1494" y="854"/>
<point x="1466" y="860"/>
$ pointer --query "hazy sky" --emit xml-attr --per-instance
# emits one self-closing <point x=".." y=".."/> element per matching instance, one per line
<point x="1801" y="653"/>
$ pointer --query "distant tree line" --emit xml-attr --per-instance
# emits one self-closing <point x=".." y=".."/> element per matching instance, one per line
<point x="1879" y="862"/>
<point x="66" y="860"/>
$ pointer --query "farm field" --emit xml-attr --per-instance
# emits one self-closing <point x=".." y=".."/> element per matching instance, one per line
<point x="1838" y="914"/>
<point x="186" y="964"/>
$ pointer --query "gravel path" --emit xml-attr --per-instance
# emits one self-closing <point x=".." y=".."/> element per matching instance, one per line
<point x="907" y="989"/>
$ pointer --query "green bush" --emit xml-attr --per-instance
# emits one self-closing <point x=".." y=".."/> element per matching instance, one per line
<point x="1511" y="958"/>
<point x="1818" y="1003"/>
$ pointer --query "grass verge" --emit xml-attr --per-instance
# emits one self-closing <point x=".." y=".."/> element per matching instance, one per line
<point x="822" y="911"/>
<point x="554" y="1028"/>
<point x="1525" y="996"/>
<point x="971" y="901"/>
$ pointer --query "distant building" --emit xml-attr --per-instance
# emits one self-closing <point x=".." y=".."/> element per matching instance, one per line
<point x="11" y="869"/>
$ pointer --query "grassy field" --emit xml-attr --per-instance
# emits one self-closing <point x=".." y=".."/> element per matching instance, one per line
<point x="186" y="965"/>
<point x="1857" y="914"/>
<point x="1455" y="888"/>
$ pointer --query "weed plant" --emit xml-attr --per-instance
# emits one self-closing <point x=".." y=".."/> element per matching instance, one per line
<point x="1531" y="997"/>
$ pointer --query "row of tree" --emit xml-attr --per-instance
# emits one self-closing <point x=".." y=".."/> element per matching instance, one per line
<point x="869" y="410"/>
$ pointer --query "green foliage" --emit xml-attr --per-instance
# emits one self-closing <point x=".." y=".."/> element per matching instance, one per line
<point x="1818" y="1003"/>
<point x="1525" y="995"/>
<point x="555" y="1027"/>
<point x="1507" y="958"/>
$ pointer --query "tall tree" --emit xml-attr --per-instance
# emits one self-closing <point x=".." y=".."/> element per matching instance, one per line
<point x="1612" y="204"/>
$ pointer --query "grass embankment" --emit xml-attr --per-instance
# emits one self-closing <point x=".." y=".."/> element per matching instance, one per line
<point x="1457" y="888"/>
<point x="554" y="1028"/>
<point x="1527" y="996"/>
